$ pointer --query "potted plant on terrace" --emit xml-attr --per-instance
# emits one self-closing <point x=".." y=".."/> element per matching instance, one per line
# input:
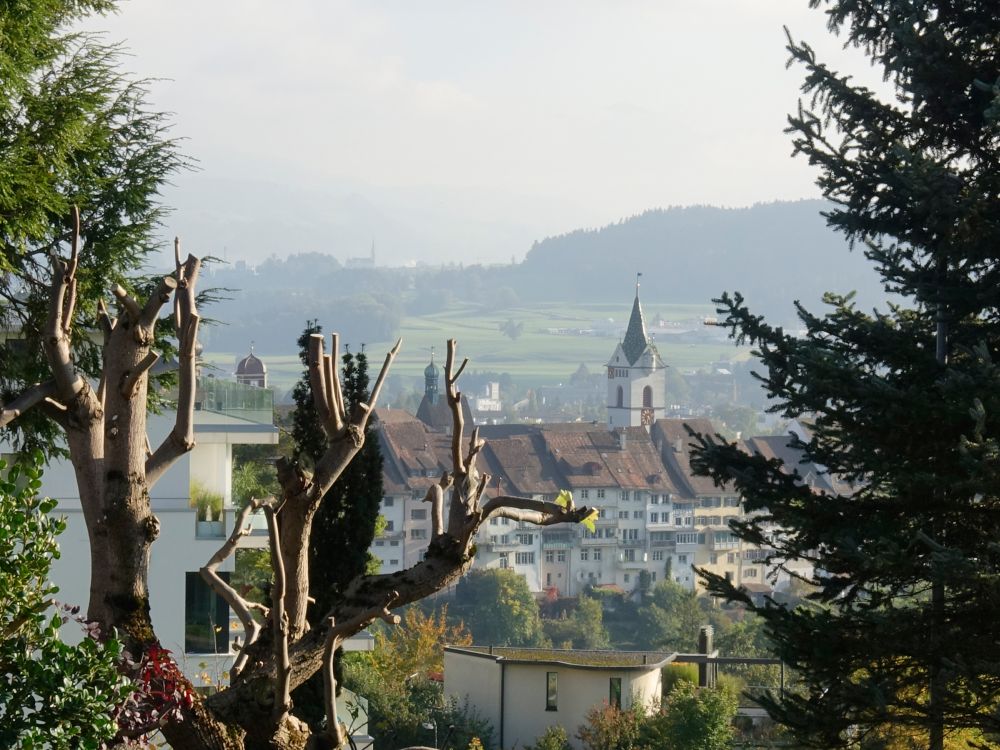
<point x="209" y="507"/>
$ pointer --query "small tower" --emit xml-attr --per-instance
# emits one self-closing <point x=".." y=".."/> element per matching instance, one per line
<point x="432" y="374"/>
<point x="251" y="370"/>
<point x="636" y="376"/>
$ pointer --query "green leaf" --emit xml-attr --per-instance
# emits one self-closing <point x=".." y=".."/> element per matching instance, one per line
<point x="565" y="499"/>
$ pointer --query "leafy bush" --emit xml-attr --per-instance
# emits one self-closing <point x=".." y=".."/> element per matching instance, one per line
<point x="611" y="728"/>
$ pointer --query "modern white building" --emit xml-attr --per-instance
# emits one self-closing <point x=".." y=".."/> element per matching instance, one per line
<point x="189" y="618"/>
<point x="522" y="692"/>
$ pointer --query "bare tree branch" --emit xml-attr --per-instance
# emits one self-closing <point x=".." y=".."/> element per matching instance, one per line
<point x="382" y="374"/>
<point x="321" y="384"/>
<point x="539" y="512"/>
<point x="239" y="605"/>
<point x="133" y="378"/>
<point x="333" y="373"/>
<point x="435" y="496"/>
<point x="455" y="404"/>
<point x="128" y="302"/>
<point x="334" y="637"/>
<point x="34" y="395"/>
<point x="160" y="296"/>
<point x="180" y="440"/>
<point x="279" y="620"/>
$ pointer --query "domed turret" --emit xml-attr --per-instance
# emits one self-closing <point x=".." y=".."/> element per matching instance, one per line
<point x="251" y="370"/>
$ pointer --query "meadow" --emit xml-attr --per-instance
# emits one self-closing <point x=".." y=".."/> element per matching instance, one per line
<point x="536" y="357"/>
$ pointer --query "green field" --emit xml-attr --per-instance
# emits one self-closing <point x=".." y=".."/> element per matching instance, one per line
<point x="536" y="357"/>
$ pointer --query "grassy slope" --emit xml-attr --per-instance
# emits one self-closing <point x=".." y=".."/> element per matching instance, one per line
<point x="535" y="358"/>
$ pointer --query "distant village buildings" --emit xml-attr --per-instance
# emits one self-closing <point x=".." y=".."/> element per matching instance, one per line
<point x="656" y="520"/>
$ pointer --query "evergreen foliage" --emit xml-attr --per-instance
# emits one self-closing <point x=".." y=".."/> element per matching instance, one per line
<point x="345" y="523"/>
<point x="73" y="131"/>
<point x="900" y="632"/>
<point x="54" y="695"/>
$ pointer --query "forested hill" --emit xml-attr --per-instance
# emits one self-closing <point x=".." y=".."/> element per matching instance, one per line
<point x="773" y="253"/>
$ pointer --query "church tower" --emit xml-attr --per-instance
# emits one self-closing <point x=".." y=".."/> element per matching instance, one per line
<point x="636" y="376"/>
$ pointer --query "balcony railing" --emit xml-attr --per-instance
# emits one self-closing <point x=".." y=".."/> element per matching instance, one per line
<point x="235" y="400"/>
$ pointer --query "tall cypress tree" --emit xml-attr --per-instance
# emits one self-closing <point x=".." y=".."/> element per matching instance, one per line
<point x="344" y="525"/>
<point x="900" y="635"/>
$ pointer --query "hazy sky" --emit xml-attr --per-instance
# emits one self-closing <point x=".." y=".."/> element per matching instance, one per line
<point x="556" y="113"/>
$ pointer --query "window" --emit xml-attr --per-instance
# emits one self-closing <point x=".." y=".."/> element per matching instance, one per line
<point x="584" y="494"/>
<point x="525" y="538"/>
<point x="654" y="499"/>
<point x="584" y="555"/>
<point x="504" y="559"/>
<point x="394" y="543"/>
<point x="647" y="396"/>
<point x="682" y="559"/>
<point x="418" y="514"/>
<point x="631" y="535"/>
<point x="418" y="533"/>
<point x="379" y="542"/>
<point x="494" y="521"/>
<point x="600" y="494"/>
<point x="750" y="572"/>
<point x="388" y="502"/>
<point x="597" y="555"/>
<point x="388" y="525"/>
<point x="206" y="616"/>
<point x="620" y="398"/>
<point x="561" y="556"/>
<point x="638" y="514"/>
<point x="505" y="521"/>
<point x="625" y="495"/>
<point x="394" y="562"/>
<point x="602" y="512"/>
<point x="623" y="514"/>
<point x="687" y="538"/>
<point x="550" y="556"/>
<point x="657" y="555"/>
<point x="524" y="558"/>
<point x="551" y="691"/>
<point x="628" y="556"/>
<point x="654" y="517"/>
<point x="628" y="578"/>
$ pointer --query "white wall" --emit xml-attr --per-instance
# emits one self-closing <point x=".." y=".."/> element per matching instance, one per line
<point x="525" y="718"/>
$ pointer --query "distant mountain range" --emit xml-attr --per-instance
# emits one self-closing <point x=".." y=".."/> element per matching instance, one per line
<point x="772" y="253"/>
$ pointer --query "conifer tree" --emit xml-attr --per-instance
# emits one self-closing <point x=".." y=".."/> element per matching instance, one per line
<point x="74" y="130"/>
<point x="344" y="526"/>
<point x="905" y="403"/>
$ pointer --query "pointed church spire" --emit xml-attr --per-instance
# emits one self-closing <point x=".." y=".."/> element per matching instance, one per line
<point x="635" y="337"/>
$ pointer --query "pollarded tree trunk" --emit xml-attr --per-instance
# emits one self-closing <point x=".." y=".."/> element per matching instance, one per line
<point x="115" y="469"/>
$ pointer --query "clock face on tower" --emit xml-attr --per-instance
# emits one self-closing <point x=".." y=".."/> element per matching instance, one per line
<point x="647" y="417"/>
